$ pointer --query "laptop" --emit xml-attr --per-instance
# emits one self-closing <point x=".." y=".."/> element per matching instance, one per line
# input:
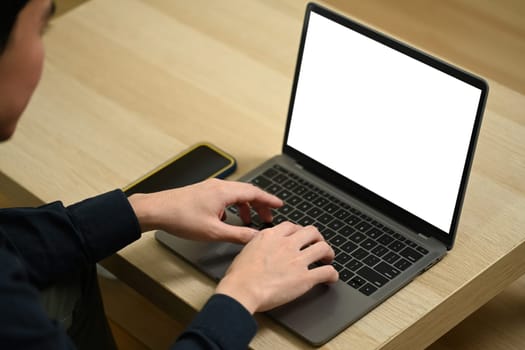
<point x="377" y="151"/>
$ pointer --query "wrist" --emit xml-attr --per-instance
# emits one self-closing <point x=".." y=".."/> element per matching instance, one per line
<point x="238" y="292"/>
<point x="141" y="204"/>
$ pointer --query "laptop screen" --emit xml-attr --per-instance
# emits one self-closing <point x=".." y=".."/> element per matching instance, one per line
<point x="390" y="123"/>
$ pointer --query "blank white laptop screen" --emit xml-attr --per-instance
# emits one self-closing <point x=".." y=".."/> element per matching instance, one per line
<point x="388" y="122"/>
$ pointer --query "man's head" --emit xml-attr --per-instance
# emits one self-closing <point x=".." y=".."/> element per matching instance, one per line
<point x="22" y="23"/>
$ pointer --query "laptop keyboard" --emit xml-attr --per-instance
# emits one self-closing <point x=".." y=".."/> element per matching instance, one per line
<point x="368" y="254"/>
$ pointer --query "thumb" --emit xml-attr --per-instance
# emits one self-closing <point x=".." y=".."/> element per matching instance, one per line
<point x="236" y="234"/>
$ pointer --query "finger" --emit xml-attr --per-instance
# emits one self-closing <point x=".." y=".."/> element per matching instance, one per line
<point x="307" y="235"/>
<point x="284" y="229"/>
<point x="323" y="274"/>
<point x="241" y="192"/>
<point x="235" y="234"/>
<point x="244" y="213"/>
<point x="264" y="212"/>
<point x="320" y="251"/>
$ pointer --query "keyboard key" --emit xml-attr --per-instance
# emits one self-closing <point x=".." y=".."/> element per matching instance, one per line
<point x="290" y="184"/>
<point x="379" y="250"/>
<point x="388" y="230"/>
<point x="314" y="212"/>
<point x="337" y="266"/>
<point x="371" y="260"/>
<point x="368" y="289"/>
<point x="274" y="188"/>
<point x="411" y="244"/>
<point x="410" y="254"/>
<point x="295" y="215"/>
<point x="342" y="258"/>
<point x="335" y="225"/>
<point x="281" y="178"/>
<point x="354" y="265"/>
<point x="396" y="246"/>
<point x="356" y="282"/>
<point x="422" y="250"/>
<point x="332" y="199"/>
<point x="310" y="196"/>
<point x="358" y="237"/>
<point x="347" y="231"/>
<point x="331" y="208"/>
<point x="320" y="201"/>
<point x="372" y="276"/>
<point x="284" y="194"/>
<point x="278" y="219"/>
<point x="374" y="233"/>
<point x="397" y="236"/>
<point x="352" y="220"/>
<point x="341" y="214"/>
<point x="325" y="218"/>
<point x="387" y="270"/>
<point x="261" y="181"/>
<point x="368" y="244"/>
<point x="359" y="253"/>
<point x="320" y="227"/>
<point x="349" y="247"/>
<point x="402" y="264"/>
<point x="285" y="209"/>
<point x="299" y="190"/>
<point x="391" y="257"/>
<point x="327" y="233"/>
<point x="363" y="226"/>
<point x="294" y="200"/>
<point x="266" y="225"/>
<point x="385" y="239"/>
<point x="304" y="206"/>
<point x="269" y="173"/>
<point x="345" y="275"/>
<point x="305" y="221"/>
<point x="337" y="240"/>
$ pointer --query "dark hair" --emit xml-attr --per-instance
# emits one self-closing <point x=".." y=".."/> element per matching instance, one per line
<point x="9" y="10"/>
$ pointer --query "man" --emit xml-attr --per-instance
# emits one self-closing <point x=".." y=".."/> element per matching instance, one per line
<point x="42" y="247"/>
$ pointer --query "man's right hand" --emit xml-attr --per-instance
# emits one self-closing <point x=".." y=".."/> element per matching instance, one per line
<point x="273" y="268"/>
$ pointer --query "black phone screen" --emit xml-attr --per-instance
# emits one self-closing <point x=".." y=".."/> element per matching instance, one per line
<point x="197" y="165"/>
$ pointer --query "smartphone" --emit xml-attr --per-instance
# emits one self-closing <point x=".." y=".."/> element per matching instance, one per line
<point x="197" y="163"/>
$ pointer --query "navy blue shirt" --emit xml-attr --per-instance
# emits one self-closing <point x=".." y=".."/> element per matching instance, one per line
<point x="40" y="246"/>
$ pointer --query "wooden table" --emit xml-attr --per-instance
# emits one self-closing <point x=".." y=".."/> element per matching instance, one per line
<point x="129" y="83"/>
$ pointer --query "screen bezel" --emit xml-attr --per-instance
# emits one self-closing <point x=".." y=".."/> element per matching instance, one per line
<point x="397" y="213"/>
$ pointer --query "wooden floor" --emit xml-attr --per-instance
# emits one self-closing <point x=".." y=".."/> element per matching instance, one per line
<point x="500" y="324"/>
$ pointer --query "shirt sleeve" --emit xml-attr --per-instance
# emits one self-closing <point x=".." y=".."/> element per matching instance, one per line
<point x="23" y="322"/>
<point x="41" y="245"/>
<point x="53" y="241"/>
<point x="223" y="323"/>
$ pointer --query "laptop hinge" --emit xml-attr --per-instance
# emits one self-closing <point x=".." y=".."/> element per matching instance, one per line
<point x="422" y="235"/>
